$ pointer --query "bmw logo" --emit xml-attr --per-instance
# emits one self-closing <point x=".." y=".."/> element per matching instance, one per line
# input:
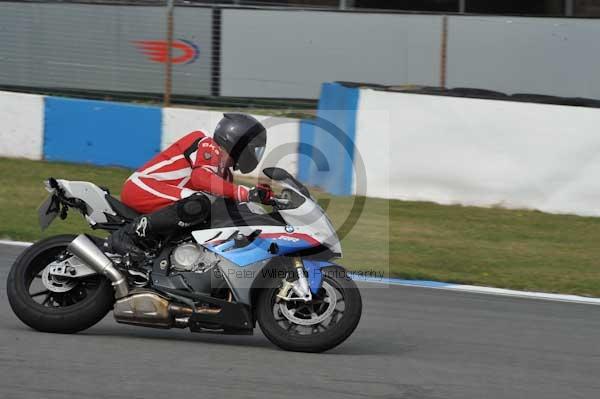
<point x="289" y="229"/>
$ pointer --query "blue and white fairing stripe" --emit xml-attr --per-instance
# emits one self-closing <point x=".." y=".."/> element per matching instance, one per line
<point x="288" y="240"/>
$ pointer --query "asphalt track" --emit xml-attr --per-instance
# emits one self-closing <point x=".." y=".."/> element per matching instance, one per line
<point x="412" y="343"/>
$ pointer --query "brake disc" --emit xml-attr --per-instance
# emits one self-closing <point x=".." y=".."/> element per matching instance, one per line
<point x="57" y="283"/>
<point x="330" y="299"/>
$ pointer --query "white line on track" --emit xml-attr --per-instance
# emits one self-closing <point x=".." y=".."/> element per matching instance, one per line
<point x="15" y="243"/>
<point x="440" y="286"/>
<point x="527" y="294"/>
<point x="480" y="290"/>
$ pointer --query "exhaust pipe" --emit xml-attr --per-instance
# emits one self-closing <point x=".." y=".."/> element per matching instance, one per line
<point x="91" y="255"/>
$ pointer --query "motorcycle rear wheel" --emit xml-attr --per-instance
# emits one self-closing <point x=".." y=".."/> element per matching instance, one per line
<point x="317" y="326"/>
<point x="75" y="305"/>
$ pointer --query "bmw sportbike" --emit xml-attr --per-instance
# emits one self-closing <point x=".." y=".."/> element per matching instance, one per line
<point x="273" y="269"/>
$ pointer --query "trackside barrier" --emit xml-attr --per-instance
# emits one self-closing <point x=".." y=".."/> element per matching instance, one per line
<point x="119" y="134"/>
<point x="449" y="150"/>
<point x="482" y="152"/>
<point x="21" y="125"/>
<point x="111" y="46"/>
<point x="327" y="144"/>
<point x="100" y="132"/>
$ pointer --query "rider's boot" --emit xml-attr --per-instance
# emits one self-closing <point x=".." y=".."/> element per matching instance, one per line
<point x="146" y="232"/>
<point x="128" y="240"/>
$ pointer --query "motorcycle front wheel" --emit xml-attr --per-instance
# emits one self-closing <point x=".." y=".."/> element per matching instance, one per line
<point x="53" y="304"/>
<point x="316" y="326"/>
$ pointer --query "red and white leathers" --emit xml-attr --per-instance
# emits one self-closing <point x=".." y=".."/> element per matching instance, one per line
<point x="195" y="163"/>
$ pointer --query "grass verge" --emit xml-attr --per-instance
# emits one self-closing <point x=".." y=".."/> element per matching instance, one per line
<point x="495" y="247"/>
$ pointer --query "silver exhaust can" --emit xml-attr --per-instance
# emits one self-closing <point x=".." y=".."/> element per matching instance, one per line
<point x="90" y="254"/>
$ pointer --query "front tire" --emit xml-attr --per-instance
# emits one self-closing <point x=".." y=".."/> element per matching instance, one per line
<point x="74" y="305"/>
<point x="291" y="329"/>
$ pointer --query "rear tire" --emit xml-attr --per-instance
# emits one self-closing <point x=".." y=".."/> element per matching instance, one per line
<point x="82" y="309"/>
<point x="282" y="334"/>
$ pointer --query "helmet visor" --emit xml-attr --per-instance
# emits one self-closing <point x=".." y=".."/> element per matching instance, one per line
<point x="251" y="153"/>
<point x="259" y="152"/>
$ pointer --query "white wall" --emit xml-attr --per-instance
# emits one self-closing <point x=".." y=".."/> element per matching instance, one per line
<point x="374" y="152"/>
<point x="22" y="125"/>
<point x="282" y="134"/>
<point x="483" y="152"/>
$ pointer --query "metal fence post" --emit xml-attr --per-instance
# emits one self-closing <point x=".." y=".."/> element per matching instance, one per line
<point x="169" y="63"/>
<point x="443" y="51"/>
<point x="215" y="81"/>
<point x="346" y="4"/>
<point x="569" y="8"/>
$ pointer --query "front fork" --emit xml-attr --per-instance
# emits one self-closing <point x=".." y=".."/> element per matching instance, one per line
<point x="300" y="286"/>
<point x="304" y="287"/>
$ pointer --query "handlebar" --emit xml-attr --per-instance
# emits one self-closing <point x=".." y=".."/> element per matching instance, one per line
<point x="280" y="201"/>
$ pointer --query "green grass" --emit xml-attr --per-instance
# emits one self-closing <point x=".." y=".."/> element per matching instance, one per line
<point x="416" y="240"/>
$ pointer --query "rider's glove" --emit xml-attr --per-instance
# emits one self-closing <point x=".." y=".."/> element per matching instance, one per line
<point x="261" y="193"/>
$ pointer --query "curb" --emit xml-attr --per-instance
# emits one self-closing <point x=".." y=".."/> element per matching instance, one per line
<point x="440" y="286"/>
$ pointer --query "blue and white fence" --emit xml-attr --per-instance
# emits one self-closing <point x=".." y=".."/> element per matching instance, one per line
<point x="100" y="132"/>
<point x="327" y="143"/>
<point x="367" y="142"/>
<point x="110" y="133"/>
<point x="465" y="151"/>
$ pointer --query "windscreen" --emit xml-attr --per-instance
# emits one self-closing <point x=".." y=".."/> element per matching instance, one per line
<point x="283" y="176"/>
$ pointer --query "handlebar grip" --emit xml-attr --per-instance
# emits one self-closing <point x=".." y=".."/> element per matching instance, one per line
<point x="279" y="200"/>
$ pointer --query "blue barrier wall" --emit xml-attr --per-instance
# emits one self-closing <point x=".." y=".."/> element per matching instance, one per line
<point x="330" y="135"/>
<point x="100" y="132"/>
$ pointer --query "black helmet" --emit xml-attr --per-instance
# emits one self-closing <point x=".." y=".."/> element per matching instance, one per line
<point x="244" y="138"/>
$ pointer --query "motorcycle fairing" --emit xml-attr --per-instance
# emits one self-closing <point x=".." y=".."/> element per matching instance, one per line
<point x="260" y="248"/>
<point x="252" y="257"/>
<point x="315" y="276"/>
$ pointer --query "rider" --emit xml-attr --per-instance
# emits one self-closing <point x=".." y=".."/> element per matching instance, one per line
<point x="177" y="188"/>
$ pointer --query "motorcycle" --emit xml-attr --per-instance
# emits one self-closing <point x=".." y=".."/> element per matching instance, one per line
<point x="275" y="270"/>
